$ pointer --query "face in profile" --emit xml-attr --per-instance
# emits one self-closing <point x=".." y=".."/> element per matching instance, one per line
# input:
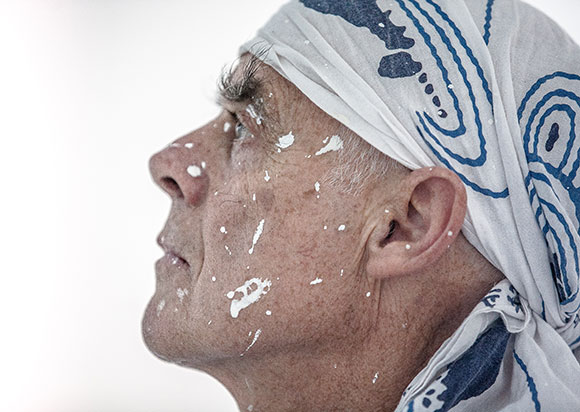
<point x="262" y="250"/>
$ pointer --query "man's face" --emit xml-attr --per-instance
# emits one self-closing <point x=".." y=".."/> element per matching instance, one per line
<point x="261" y="253"/>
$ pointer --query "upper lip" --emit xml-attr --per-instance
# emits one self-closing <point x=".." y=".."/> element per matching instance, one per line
<point x="168" y="248"/>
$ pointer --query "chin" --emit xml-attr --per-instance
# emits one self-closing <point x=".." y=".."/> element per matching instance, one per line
<point x="178" y="341"/>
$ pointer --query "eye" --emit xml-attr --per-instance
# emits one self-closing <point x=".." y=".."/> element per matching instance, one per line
<point x="241" y="132"/>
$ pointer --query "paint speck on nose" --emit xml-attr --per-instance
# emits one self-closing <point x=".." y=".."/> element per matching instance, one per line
<point x="181" y="293"/>
<point x="189" y="145"/>
<point x="267" y="177"/>
<point x="160" y="307"/>
<point x="341" y="228"/>
<point x="223" y="230"/>
<point x="316" y="281"/>
<point x="227" y="126"/>
<point x="194" y="171"/>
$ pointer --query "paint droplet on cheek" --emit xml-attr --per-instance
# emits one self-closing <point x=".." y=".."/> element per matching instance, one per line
<point x="268" y="313"/>
<point x="227" y="126"/>
<point x="189" y="145"/>
<point x="341" y="228"/>
<point x="368" y="294"/>
<point x="408" y="246"/>
<point x="267" y="176"/>
<point x="316" y="281"/>
<point x="375" y="378"/>
<point x="213" y="279"/>
<point x="223" y="230"/>
<point x="450" y="233"/>
<point x="325" y="227"/>
<point x="194" y="171"/>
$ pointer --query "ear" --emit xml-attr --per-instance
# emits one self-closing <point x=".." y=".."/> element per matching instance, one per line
<point x="418" y="225"/>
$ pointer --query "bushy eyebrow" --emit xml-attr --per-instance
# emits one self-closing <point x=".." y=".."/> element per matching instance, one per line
<point x="238" y="84"/>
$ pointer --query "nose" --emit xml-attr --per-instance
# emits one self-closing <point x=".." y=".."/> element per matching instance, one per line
<point x="180" y="171"/>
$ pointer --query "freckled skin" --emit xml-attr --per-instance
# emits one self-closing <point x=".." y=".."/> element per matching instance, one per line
<point x="311" y="327"/>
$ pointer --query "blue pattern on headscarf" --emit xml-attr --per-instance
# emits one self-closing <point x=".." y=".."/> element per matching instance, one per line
<point x="477" y="369"/>
<point x="366" y="13"/>
<point x="530" y="381"/>
<point x="564" y="260"/>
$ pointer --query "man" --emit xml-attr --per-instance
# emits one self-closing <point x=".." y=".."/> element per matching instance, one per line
<point x="308" y="270"/>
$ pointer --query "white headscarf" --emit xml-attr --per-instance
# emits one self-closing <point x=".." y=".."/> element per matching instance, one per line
<point x="491" y="90"/>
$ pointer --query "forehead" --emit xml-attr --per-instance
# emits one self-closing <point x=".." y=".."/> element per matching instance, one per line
<point x="252" y="81"/>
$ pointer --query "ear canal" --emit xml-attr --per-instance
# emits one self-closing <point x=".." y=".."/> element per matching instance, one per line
<point x="392" y="228"/>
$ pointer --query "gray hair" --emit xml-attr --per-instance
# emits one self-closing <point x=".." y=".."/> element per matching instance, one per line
<point x="358" y="164"/>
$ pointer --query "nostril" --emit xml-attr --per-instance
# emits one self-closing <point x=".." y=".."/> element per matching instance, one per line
<point x="170" y="186"/>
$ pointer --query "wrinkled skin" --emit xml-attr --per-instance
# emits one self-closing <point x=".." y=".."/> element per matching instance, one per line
<point x="319" y="344"/>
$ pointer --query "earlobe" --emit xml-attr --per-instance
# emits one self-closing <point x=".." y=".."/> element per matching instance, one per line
<point x="423" y="218"/>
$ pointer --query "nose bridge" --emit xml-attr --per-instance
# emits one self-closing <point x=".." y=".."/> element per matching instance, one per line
<point x="181" y="170"/>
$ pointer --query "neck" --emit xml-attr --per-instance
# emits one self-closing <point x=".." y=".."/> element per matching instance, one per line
<point x="367" y="374"/>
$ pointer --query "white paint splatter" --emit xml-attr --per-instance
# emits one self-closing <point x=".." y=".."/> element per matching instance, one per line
<point x="375" y="378"/>
<point x="209" y="323"/>
<point x="450" y="233"/>
<point x="316" y="281"/>
<point x="160" y="307"/>
<point x="228" y="249"/>
<point x="174" y="260"/>
<point x="267" y="177"/>
<point x="382" y="25"/>
<point x="174" y="145"/>
<point x="181" y="293"/>
<point x="203" y="164"/>
<point x="223" y="230"/>
<point x="250" y="408"/>
<point x="213" y="278"/>
<point x="268" y="313"/>
<point x="227" y="126"/>
<point x="256" y="336"/>
<point x="341" y="272"/>
<point x="387" y="211"/>
<point x="317" y="188"/>
<point x="341" y="228"/>
<point x="257" y="235"/>
<point x="408" y="246"/>
<point x="250" y="109"/>
<point x="194" y="171"/>
<point x="307" y="42"/>
<point x="285" y="141"/>
<point x="325" y="227"/>
<point x="332" y="146"/>
<point x="249" y="296"/>
<point x="254" y="197"/>
<point x="368" y="294"/>
<point x="189" y="145"/>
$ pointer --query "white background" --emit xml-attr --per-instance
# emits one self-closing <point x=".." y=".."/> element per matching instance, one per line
<point x="89" y="89"/>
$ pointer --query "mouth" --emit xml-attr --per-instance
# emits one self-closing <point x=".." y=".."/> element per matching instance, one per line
<point x="172" y="256"/>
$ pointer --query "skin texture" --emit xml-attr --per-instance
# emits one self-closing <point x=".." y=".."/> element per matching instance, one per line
<point x="320" y="345"/>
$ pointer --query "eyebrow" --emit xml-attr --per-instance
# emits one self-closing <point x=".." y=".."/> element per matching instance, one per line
<point x="239" y="83"/>
<point x="242" y="87"/>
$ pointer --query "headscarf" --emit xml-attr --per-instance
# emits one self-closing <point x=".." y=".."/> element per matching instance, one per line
<point x="489" y="89"/>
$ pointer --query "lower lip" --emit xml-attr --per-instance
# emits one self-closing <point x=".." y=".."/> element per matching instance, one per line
<point x="171" y="264"/>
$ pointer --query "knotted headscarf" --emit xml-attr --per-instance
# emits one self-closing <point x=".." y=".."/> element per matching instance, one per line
<point x="491" y="90"/>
